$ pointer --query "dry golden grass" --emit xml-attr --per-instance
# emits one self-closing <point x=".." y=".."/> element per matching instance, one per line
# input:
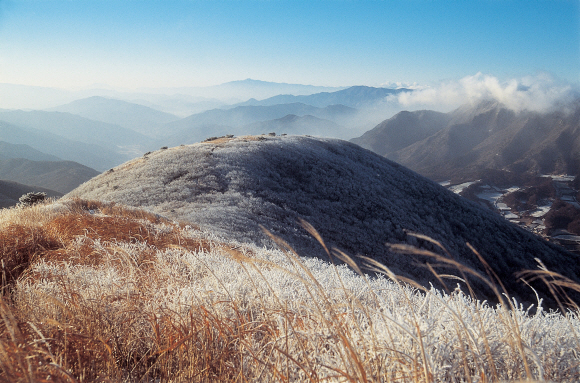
<point x="96" y="292"/>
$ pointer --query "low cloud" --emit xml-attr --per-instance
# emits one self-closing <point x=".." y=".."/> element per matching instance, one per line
<point x="536" y="93"/>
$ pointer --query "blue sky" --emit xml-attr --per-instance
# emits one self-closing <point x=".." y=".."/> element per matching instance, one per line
<point x="142" y="43"/>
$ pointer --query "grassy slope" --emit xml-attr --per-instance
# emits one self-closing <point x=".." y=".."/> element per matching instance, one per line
<point x="97" y="291"/>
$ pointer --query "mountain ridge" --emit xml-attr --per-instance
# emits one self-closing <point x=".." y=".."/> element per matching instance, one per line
<point x="484" y="136"/>
<point x="137" y="117"/>
<point x="402" y="130"/>
<point x="354" y="97"/>
<point x="8" y="150"/>
<point x="94" y="156"/>
<point x="293" y="124"/>
<point x="218" y="122"/>
<point x="76" y="128"/>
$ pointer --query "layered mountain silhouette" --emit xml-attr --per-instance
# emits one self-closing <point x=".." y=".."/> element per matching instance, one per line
<point x="8" y="150"/>
<point x="468" y="141"/>
<point x="35" y="97"/>
<point x="245" y="89"/>
<point x="178" y="104"/>
<point x="91" y="155"/>
<point x="358" y="201"/>
<point x="11" y="191"/>
<point x="219" y="122"/>
<point x="354" y="97"/>
<point x="129" y="115"/>
<point x="28" y="166"/>
<point x="77" y="128"/>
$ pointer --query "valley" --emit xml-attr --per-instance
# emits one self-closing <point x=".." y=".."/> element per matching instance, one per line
<point x="534" y="206"/>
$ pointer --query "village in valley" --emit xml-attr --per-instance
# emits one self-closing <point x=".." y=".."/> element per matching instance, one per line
<point x="547" y="209"/>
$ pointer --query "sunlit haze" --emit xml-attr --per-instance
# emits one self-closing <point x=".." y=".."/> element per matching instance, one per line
<point x="143" y="44"/>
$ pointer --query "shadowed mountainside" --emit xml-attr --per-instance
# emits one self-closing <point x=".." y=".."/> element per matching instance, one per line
<point x="402" y="130"/>
<point x="61" y="176"/>
<point x="11" y="191"/>
<point x="481" y="137"/>
<point x="356" y="199"/>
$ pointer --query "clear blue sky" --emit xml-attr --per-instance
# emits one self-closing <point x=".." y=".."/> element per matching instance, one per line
<point x="142" y="43"/>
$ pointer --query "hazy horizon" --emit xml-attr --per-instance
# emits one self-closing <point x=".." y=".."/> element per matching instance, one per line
<point x="524" y="54"/>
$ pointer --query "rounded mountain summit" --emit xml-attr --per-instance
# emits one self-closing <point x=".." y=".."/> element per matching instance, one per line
<point x="356" y="199"/>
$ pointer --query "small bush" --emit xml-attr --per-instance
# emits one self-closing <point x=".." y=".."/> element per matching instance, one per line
<point x="31" y="198"/>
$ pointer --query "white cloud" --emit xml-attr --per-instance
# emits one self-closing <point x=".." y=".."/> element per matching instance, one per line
<point x="537" y="93"/>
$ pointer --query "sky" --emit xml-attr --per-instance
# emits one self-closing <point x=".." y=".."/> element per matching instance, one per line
<point x="131" y="44"/>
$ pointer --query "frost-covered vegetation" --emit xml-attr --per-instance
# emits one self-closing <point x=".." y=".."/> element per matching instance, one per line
<point x="100" y="292"/>
<point x="358" y="201"/>
<point x="31" y="198"/>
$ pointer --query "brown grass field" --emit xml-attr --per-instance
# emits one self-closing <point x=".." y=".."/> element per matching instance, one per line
<point x="95" y="292"/>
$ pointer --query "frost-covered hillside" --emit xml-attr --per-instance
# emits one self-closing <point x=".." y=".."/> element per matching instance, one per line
<point x="357" y="200"/>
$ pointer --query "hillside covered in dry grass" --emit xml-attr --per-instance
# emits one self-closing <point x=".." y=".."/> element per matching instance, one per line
<point x="95" y="291"/>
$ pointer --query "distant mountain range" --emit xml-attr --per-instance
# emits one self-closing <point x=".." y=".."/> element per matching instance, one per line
<point x="8" y="150"/>
<point x="354" y="97"/>
<point x="293" y="124"/>
<point x="179" y="105"/>
<point x="101" y="132"/>
<point x="105" y="129"/>
<point x="466" y="142"/>
<point x="219" y="122"/>
<point x="13" y="96"/>
<point x="91" y="155"/>
<point x="249" y="88"/>
<point x="77" y="128"/>
<point x="357" y="200"/>
<point x="129" y="115"/>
